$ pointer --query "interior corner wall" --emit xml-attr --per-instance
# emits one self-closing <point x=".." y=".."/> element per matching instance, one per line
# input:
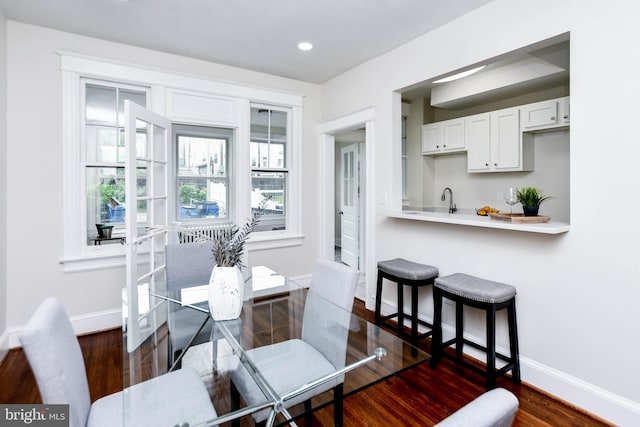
<point x="34" y="171"/>
<point x="3" y="185"/>
<point x="577" y="290"/>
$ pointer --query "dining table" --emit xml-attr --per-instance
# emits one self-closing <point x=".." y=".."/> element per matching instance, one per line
<point x="273" y="312"/>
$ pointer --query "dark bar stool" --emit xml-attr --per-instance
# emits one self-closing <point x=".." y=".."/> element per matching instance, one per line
<point x="485" y="295"/>
<point x="407" y="273"/>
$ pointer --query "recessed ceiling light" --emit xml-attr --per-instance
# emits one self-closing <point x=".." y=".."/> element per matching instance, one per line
<point x="460" y="75"/>
<point x="305" y="46"/>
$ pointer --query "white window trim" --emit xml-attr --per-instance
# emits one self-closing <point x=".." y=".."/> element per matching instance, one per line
<point x="77" y="255"/>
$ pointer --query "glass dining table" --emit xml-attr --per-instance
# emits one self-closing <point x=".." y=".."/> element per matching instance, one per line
<point x="275" y="310"/>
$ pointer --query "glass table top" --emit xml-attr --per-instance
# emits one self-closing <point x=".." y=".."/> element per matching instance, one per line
<point x="281" y="329"/>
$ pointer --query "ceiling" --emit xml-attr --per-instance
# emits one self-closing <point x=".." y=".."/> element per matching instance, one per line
<point x="259" y="35"/>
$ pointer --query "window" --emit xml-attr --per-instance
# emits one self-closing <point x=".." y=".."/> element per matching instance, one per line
<point x="214" y="125"/>
<point x="269" y="165"/>
<point x="202" y="172"/>
<point x="104" y="156"/>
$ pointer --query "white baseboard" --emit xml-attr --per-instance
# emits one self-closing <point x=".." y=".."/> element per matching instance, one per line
<point x="577" y="392"/>
<point x="83" y="324"/>
<point x="4" y="344"/>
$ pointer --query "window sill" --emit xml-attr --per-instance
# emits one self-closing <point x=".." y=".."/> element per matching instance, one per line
<point x="93" y="262"/>
<point x="117" y="259"/>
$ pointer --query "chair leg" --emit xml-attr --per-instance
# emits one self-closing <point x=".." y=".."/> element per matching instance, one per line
<point x="378" y="298"/>
<point x="513" y="341"/>
<point x="234" y="402"/>
<point x="491" y="347"/>
<point x="459" y="329"/>
<point x="338" y="392"/>
<point x="400" y="307"/>
<point x="307" y="411"/>
<point x="414" y="315"/>
<point x="436" y="337"/>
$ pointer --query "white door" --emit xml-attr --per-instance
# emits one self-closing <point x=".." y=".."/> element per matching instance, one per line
<point x="349" y="205"/>
<point x="146" y="186"/>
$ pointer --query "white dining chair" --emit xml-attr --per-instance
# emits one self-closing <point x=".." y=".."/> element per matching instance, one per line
<point x="320" y="351"/>
<point x="54" y="353"/>
<point x="187" y="265"/>
<point x="495" y="408"/>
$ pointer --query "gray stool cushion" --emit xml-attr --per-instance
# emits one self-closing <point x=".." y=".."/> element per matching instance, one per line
<point x="408" y="270"/>
<point x="475" y="288"/>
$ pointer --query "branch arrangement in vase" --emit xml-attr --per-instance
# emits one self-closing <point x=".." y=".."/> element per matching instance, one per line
<point x="228" y="248"/>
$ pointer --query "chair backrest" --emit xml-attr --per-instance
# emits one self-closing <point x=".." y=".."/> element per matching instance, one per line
<point x="55" y="357"/>
<point x="495" y="408"/>
<point x="326" y="325"/>
<point x="188" y="264"/>
<point x="335" y="282"/>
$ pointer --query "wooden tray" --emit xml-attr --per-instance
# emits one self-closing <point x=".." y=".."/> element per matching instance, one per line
<point x="518" y="218"/>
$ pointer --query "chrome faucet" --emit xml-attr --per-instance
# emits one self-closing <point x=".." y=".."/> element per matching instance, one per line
<point x="452" y="207"/>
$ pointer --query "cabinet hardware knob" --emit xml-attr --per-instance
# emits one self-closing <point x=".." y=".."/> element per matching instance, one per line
<point x="437" y="146"/>
<point x="565" y="116"/>
<point x="553" y="118"/>
<point x="486" y="164"/>
<point x="495" y="164"/>
<point x="444" y="146"/>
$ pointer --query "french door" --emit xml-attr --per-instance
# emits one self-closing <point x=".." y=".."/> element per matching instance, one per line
<point x="146" y="193"/>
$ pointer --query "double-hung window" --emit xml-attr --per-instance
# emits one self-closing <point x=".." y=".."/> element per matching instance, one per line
<point x="270" y="133"/>
<point x="103" y="150"/>
<point x="202" y="173"/>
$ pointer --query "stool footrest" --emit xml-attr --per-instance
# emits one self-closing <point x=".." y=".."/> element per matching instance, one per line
<point x="475" y="345"/>
<point x="384" y="322"/>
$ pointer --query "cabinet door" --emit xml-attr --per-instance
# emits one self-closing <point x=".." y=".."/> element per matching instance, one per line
<point x="478" y="133"/>
<point x="563" y="111"/>
<point x="539" y="114"/>
<point x="453" y="135"/>
<point x="506" y="144"/>
<point x="431" y="138"/>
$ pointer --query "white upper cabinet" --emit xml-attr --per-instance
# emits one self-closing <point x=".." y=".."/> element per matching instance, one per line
<point x="444" y="137"/>
<point x="494" y="143"/>
<point x="545" y="114"/>
<point x="479" y="142"/>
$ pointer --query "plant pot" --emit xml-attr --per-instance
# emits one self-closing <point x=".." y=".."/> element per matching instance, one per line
<point x="530" y="210"/>
<point x="226" y="293"/>
<point x="104" y="231"/>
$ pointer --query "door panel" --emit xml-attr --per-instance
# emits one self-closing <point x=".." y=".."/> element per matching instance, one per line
<point x="146" y="184"/>
<point x="349" y="204"/>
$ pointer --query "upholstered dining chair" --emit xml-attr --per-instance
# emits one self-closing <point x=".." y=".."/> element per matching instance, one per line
<point x="187" y="264"/>
<point x="54" y="353"/>
<point x="290" y="364"/>
<point x="495" y="408"/>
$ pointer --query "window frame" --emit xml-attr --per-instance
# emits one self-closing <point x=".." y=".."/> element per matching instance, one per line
<point x="286" y="169"/>
<point x="229" y="105"/>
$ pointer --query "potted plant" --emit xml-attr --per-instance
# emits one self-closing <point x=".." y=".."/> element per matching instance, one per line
<point x="531" y="198"/>
<point x="226" y="286"/>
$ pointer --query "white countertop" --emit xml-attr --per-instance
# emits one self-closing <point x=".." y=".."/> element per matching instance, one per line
<point x="468" y="217"/>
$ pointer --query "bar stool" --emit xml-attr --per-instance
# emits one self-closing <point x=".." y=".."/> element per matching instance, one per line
<point x="485" y="295"/>
<point x="408" y="273"/>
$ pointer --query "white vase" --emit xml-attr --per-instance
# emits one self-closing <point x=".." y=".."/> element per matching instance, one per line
<point x="226" y="293"/>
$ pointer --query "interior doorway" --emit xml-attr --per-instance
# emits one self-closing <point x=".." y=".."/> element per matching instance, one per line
<point x="348" y="207"/>
<point x="356" y="128"/>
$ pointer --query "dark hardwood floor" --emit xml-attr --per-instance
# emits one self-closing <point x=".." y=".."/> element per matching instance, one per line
<point x="418" y="397"/>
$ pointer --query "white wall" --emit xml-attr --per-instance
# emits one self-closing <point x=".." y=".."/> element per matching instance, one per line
<point x="3" y="185"/>
<point x="577" y="292"/>
<point x="34" y="194"/>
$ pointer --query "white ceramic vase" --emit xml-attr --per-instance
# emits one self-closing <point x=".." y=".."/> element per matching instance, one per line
<point x="226" y="293"/>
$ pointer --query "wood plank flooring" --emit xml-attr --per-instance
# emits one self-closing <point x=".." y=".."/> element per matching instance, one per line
<point x="418" y="397"/>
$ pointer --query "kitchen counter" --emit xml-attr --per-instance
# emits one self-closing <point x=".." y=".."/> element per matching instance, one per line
<point x="468" y="217"/>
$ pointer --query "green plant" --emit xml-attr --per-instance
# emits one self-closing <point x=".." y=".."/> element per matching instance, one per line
<point x="531" y="196"/>
<point x="229" y="247"/>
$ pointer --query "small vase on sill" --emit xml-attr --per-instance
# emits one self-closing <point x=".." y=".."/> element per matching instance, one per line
<point x="226" y="293"/>
<point x="530" y="210"/>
